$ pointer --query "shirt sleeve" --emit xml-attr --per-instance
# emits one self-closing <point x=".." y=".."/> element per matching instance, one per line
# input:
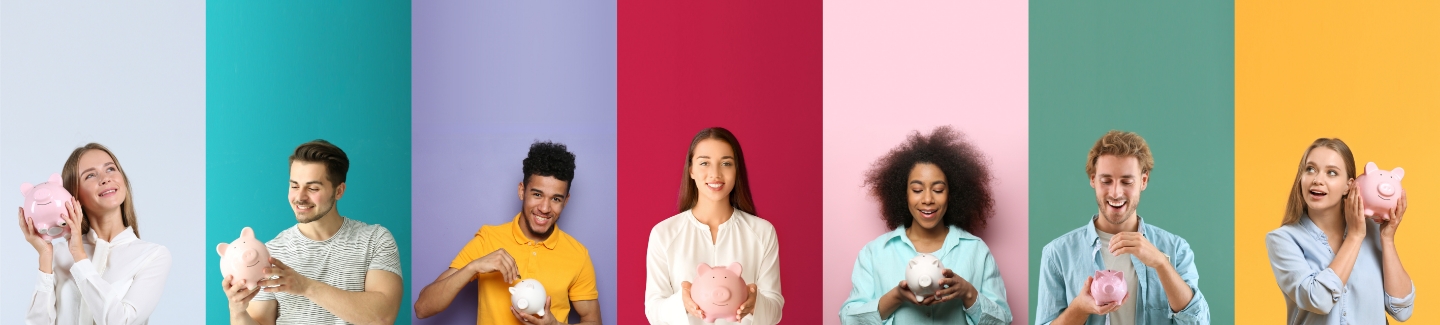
<point x="129" y="302"/>
<point x="583" y="288"/>
<point x="769" y="303"/>
<point x="473" y="250"/>
<point x="663" y="304"/>
<point x="1313" y="290"/>
<point x="990" y="306"/>
<point x="1197" y="311"/>
<point x="385" y="254"/>
<point x="42" y="302"/>
<point x="1400" y="308"/>
<point x="1051" y="298"/>
<point x="863" y="305"/>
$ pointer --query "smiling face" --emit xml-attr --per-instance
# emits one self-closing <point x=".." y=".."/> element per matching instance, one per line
<point x="1118" y="182"/>
<point x="927" y="193"/>
<point x="102" y="183"/>
<point x="312" y="195"/>
<point x="543" y="198"/>
<point x="713" y="169"/>
<point x="1323" y="179"/>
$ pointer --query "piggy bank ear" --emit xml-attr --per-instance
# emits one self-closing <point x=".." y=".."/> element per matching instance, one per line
<point x="25" y="187"/>
<point x="936" y="263"/>
<point x="734" y="267"/>
<point x="912" y="263"/>
<point x="54" y="178"/>
<point x="247" y="232"/>
<point x="221" y="249"/>
<point x="1371" y="168"/>
<point x="703" y="268"/>
<point x="512" y="290"/>
<point x="1399" y="173"/>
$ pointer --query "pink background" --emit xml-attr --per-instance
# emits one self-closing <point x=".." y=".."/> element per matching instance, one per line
<point x="892" y="68"/>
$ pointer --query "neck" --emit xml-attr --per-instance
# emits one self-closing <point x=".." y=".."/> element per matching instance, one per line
<point x="920" y="234"/>
<point x="1131" y="224"/>
<point x="1328" y="220"/>
<point x="321" y="230"/>
<point x="107" y="224"/>
<point x="713" y="213"/>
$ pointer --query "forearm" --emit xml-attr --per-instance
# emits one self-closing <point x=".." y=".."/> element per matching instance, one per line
<point x="242" y="317"/>
<point x="1177" y="292"/>
<point x="362" y="307"/>
<point x="1345" y="259"/>
<point x="1070" y="316"/>
<point x="1397" y="281"/>
<point x="47" y="262"/>
<point x="888" y="304"/>
<point x="437" y="296"/>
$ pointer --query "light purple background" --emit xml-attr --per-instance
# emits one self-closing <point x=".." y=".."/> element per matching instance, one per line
<point x="488" y="79"/>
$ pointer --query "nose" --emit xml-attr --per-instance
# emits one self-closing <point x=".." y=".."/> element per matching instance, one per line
<point x="1386" y="190"/>
<point x="720" y="294"/>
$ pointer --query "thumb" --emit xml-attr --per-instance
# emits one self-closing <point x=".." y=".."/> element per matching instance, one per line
<point x="1086" y="289"/>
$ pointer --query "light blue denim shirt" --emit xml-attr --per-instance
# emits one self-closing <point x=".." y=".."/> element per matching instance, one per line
<point x="1300" y="255"/>
<point x="1068" y="260"/>
<point x="881" y="266"/>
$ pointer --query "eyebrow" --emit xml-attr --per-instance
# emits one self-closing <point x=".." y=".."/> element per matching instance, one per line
<point x="543" y="192"/>
<point x="916" y="181"/>
<point x="708" y="157"/>
<point x="1126" y="176"/>
<point x="310" y="182"/>
<point x="88" y="170"/>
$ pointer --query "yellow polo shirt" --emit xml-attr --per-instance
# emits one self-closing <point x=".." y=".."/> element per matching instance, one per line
<point x="560" y="263"/>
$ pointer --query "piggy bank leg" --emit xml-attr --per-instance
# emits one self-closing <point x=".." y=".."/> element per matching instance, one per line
<point x="542" y="313"/>
<point x="710" y="318"/>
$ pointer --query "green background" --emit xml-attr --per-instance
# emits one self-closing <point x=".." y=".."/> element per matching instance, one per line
<point x="280" y="73"/>
<point x="1164" y="70"/>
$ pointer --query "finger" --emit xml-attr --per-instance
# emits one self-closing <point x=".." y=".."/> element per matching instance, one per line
<point x="1085" y="290"/>
<point x="278" y="265"/>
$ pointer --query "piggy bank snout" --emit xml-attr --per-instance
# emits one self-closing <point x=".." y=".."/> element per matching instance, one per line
<point x="250" y="257"/>
<point x="1109" y="288"/>
<point x="1386" y="189"/>
<point x="720" y="294"/>
<point x="41" y="194"/>
<point x="925" y="281"/>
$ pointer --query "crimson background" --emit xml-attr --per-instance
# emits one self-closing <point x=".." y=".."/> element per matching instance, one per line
<point x="753" y="67"/>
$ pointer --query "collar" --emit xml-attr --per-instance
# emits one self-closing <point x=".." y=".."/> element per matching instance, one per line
<point x="952" y="239"/>
<point x="1092" y="234"/>
<point x="125" y="236"/>
<point x="520" y="238"/>
<point x="695" y="221"/>
<point x="1312" y="229"/>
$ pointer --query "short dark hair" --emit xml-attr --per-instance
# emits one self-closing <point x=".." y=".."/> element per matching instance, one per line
<point x="968" y="198"/>
<point x="549" y="159"/>
<point x="321" y="151"/>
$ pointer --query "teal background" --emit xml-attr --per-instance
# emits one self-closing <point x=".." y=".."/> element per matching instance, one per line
<point x="280" y="73"/>
<point x="1164" y="70"/>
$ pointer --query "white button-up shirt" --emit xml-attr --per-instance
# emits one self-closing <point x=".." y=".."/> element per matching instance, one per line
<point x="120" y="283"/>
<point x="679" y="244"/>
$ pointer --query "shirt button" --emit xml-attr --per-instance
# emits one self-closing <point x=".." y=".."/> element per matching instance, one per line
<point x="533" y="253"/>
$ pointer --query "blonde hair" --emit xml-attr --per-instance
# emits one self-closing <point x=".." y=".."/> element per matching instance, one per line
<point x="1295" y="206"/>
<point x="1121" y="144"/>
<point x="70" y="177"/>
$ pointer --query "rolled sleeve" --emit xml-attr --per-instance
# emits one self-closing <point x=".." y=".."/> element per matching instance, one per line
<point x="1400" y="308"/>
<point x="990" y="305"/>
<point x="863" y="305"/>
<point x="1315" y="291"/>
<point x="1051" y="299"/>
<point x="1197" y="311"/>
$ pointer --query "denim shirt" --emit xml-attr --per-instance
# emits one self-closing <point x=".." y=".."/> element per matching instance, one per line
<point x="1300" y="255"/>
<point x="881" y="265"/>
<point x="1068" y="260"/>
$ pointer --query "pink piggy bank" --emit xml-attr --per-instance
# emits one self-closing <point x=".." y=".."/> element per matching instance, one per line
<point x="246" y="258"/>
<point x="1108" y="287"/>
<point x="45" y="207"/>
<point x="719" y="292"/>
<point x="1380" y="189"/>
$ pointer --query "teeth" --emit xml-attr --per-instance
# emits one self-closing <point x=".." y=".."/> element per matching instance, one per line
<point x="713" y="185"/>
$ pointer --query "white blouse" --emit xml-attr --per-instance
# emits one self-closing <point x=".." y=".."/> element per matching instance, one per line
<point x="119" y="284"/>
<point x="679" y="244"/>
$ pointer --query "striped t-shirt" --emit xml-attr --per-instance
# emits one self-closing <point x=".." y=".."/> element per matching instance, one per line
<point x="340" y="261"/>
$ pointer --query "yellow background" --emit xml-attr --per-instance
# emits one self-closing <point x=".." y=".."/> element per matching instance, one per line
<point x="1366" y="72"/>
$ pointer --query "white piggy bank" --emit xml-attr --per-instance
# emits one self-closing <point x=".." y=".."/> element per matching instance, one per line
<point x="923" y="275"/>
<point x="528" y="296"/>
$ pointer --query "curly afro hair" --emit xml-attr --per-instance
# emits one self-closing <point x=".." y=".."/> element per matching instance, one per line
<point x="550" y="159"/>
<point x="968" y="201"/>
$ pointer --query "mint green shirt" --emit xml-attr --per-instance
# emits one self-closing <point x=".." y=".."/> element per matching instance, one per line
<point x="881" y="266"/>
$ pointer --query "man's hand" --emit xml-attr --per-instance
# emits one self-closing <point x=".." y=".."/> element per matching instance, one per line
<point x="1134" y="243"/>
<point x="1085" y="303"/>
<point x="497" y="261"/>
<point x="281" y="278"/>
<point x="238" y="296"/>
<point x="527" y="319"/>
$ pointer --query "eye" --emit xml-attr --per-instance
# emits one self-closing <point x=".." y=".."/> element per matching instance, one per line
<point x="729" y="164"/>
<point x="704" y="163"/>
<point x="1309" y="170"/>
<point x="88" y="176"/>
<point x="1333" y="173"/>
<point x="111" y="169"/>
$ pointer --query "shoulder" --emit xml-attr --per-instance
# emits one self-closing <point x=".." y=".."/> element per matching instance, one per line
<point x="666" y="228"/>
<point x="1284" y="234"/>
<point x="284" y="237"/>
<point x="569" y="242"/>
<point x="159" y="252"/>
<point x="756" y="224"/>
<point x="1069" y="240"/>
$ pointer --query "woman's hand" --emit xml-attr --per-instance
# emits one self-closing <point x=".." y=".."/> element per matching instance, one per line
<point x="76" y="239"/>
<point x="42" y="246"/>
<point x="749" y="306"/>
<point x="1387" y="228"/>
<point x="690" y="306"/>
<point x="1354" y="211"/>
<point x="952" y="287"/>
<point x="902" y="292"/>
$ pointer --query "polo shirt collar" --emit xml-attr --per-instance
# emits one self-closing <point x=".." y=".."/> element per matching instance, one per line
<point x="520" y="238"/>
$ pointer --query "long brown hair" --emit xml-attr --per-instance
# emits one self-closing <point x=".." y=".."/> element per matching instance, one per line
<point x="739" y="195"/>
<point x="1296" y="207"/>
<point x="70" y="177"/>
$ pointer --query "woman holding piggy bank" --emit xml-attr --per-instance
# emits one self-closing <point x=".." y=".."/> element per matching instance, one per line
<point x="1333" y="264"/>
<point x="106" y="274"/>
<point x="716" y="226"/>
<point x="933" y="193"/>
